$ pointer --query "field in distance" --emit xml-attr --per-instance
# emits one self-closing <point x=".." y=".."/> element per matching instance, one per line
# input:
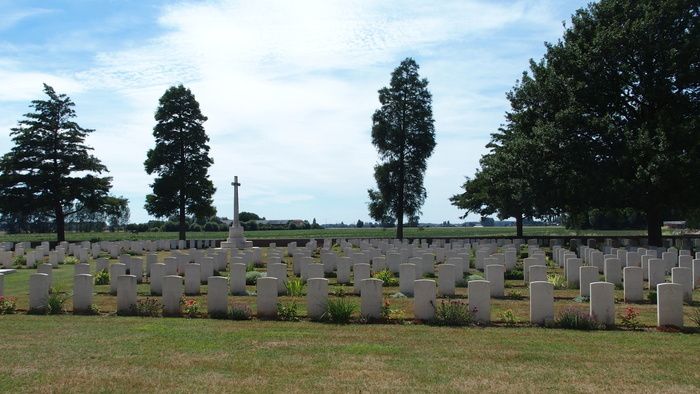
<point x="427" y="232"/>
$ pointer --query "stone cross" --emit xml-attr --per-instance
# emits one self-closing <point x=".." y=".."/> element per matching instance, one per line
<point x="235" y="184"/>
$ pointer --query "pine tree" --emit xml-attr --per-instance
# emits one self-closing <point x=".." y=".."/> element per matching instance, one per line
<point x="180" y="159"/>
<point x="50" y="171"/>
<point x="404" y="135"/>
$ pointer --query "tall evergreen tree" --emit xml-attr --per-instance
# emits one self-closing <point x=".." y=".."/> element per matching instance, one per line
<point x="50" y="171"/>
<point x="632" y="70"/>
<point x="180" y="159"/>
<point x="404" y="135"/>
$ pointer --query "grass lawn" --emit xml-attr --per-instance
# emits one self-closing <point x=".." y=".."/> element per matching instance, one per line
<point x="336" y="233"/>
<point x="117" y="354"/>
<point x="123" y="354"/>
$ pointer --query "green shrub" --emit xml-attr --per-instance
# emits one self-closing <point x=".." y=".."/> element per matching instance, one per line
<point x="508" y="317"/>
<point x="288" y="312"/>
<point x="387" y="277"/>
<point x="695" y="316"/>
<point x="576" y="319"/>
<point x="190" y="307"/>
<point x="251" y="277"/>
<point x="651" y="297"/>
<point x="8" y="305"/>
<point x="148" y="307"/>
<point x="102" y="278"/>
<point x="70" y="260"/>
<point x="514" y="295"/>
<point x="339" y="310"/>
<point x="56" y="302"/>
<point x="474" y="277"/>
<point x="19" y="261"/>
<point x="430" y="275"/>
<point x="340" y="291"/>
<point x="295" y="287"/>
<point x="453" y="313"/>
<point x="629" y="318"/>
<point x="558" y="281"/>
<point x="515" y="274"/>
<point x="240" y="312"/>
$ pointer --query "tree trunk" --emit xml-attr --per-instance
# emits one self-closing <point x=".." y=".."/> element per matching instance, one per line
<point x="399" y="224"/>
<point x="519" y="225"/>
<point x="60" y="224"/>
<point x="654" y="223"/>
<point x="183" y="224"/>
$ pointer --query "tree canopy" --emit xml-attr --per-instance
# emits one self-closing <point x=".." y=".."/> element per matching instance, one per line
<point x="404" y="135"/>
<point x="49" y="171"/>
<point x="180" y="159"/>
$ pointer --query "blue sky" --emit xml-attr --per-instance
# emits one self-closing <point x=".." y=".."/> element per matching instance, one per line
<point x="289" y="87"/>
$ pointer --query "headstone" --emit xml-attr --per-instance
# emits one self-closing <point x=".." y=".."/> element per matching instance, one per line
<point x="126" y="294"/>
<point x="537" y="273"/>
<point x="173" y="289"/>
<point x="527" y="263"/>
<point x="657" y="272"/>
<point x="314" y="271"/>
<point x="82" y="293"/>
<point x="572" y="272"/>
<point x="480" y="300"/>
<point x="279" y="271"/>
<point x="316" y="297"/>
<point x="495" y="276"/>
<point x="696" y="273"/>
<point x="424" y="299"/>
<point x="446" y="279"/>
<point x="115" y="270"/>
<point x="343" y="274"/>
<point x="683" y="277"/>
<point x="407" y="277"/>
<point x="237" y="279"/>
<point x="48" y="270"/>
<point x="613" y="271"/>
<point x="602" y="306"/>
<point x="38" y="292"/>
<point x="360" y="272"/>
<point x="81" y="268"/>
<point x="633" y="284"/>
<point x="587" y="275"/>
<point x="371" y="298"/>
<point x="669" y="304"/>
<point x="192" y="279"/>
<point x="541" y="302"/>
<point x="267" y="297"/>
<point x="157" y="274"/>
<point x="217" y="296"/>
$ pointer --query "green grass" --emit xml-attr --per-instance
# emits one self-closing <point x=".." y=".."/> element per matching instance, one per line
<point x="334" y="233"/>
<point x="127" y="354"/>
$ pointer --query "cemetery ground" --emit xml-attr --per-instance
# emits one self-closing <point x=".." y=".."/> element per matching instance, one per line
<point x="409" y="232"/>
<point x="111" y="353"/>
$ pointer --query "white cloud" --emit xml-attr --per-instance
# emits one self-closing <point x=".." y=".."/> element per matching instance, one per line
<point x="10" y="18"/>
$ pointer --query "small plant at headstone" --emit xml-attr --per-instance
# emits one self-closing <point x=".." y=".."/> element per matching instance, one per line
<point x="251" y="277"/>
<point x="289" y="312"/>
<point x="339" y="310"/>
<point x="240" y="312"/>
<point x="340" y="291"/>
<point x="629" y="318"/>
<point x="453" y="313"/>
<point x="461" y="282"/>
<point x="19" y="261"/>
<point x="576" y="319"/>
<point x="508" y="317"/>
<point x="474" y="277"/>
<point x="514" y="295"/>
<point x="56" y="301"/>
<point x="582" y="299"/>
<point x="695" y="316"/>
<point x="70" y="260"/>
<point x="190" y="307"/>
<point x="430" y="275"/>
<point x="618" y="286"/>
<point x="558" y="281"/>
<point x="515" y="274"/>
<point x="651" y="297"/>
<point x="387" y="277"/>
<point x="295" y="287"/>
<point x="8" y="305"/>
<point x="102" y="278"/>
<point x="148" y="307"/>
